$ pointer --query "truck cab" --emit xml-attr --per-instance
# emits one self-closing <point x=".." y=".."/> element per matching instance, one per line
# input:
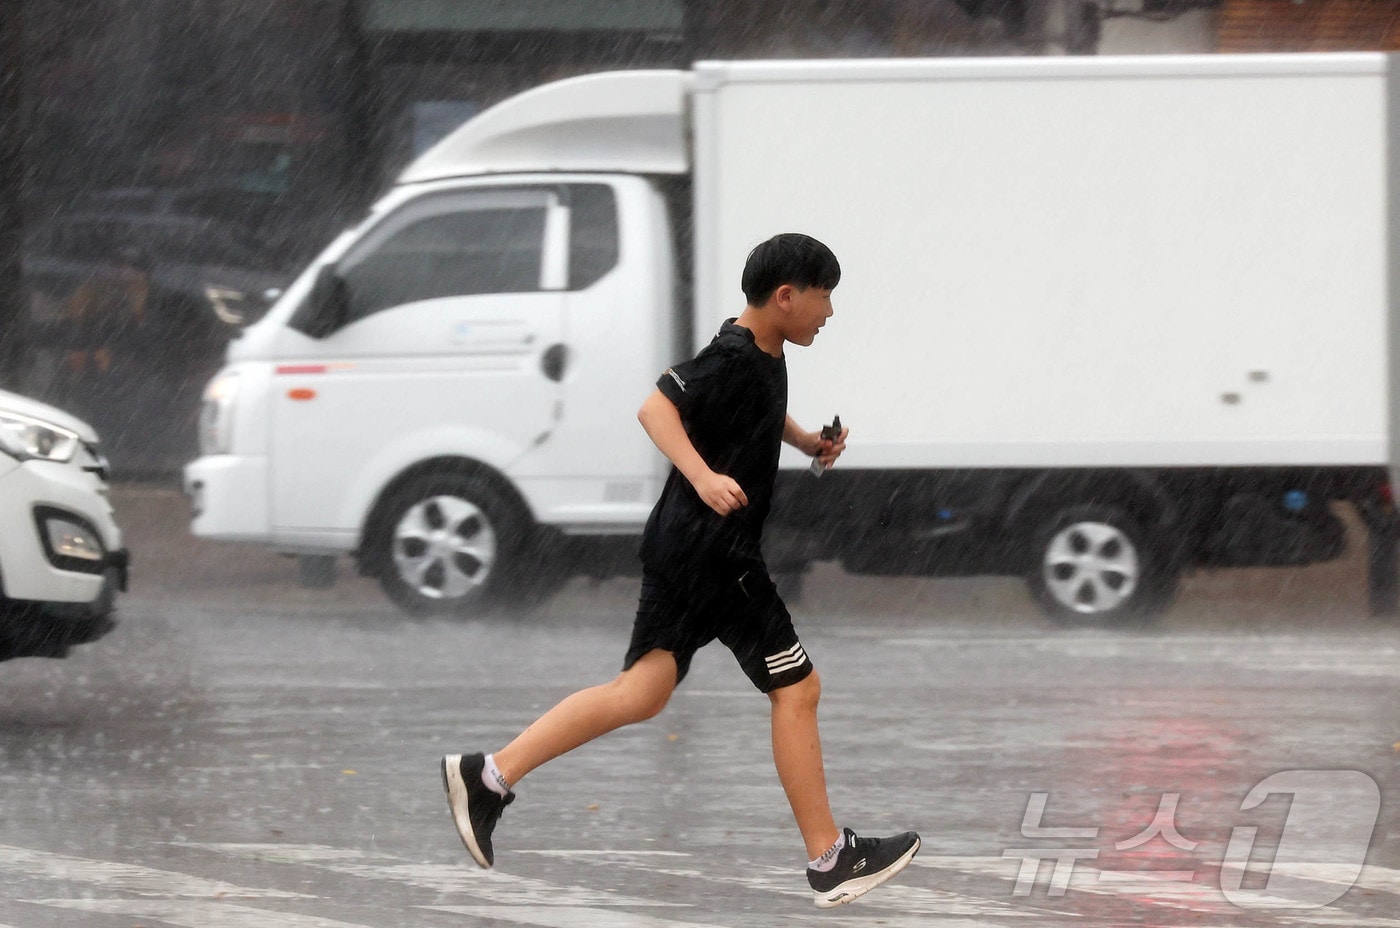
<point x="446" y="379"/>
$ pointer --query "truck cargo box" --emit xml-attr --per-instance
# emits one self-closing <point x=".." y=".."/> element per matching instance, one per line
<point x="1072" y="263"/>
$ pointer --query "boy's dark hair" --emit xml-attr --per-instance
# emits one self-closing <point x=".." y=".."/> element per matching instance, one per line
<point x="790" y="258"/>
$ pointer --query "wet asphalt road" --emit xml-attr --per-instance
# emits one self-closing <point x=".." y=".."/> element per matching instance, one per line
<point x="242" y="752"/>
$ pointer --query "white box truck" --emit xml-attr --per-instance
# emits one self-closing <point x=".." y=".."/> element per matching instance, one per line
<point x="1101" y="321"/>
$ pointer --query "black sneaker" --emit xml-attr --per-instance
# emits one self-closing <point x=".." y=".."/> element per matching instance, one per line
<point x="862" y="864"/>
<point x="475" y="808"/>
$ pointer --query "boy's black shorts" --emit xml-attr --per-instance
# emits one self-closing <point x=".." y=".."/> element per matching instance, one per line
<point x="746" y="615"/>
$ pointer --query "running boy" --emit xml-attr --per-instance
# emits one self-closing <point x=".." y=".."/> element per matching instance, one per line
<point x="720" y="419"/>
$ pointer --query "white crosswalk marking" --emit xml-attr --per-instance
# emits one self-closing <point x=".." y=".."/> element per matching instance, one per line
<point x="617" y="855"/>
<point x="913" y="900"/>
<point x="490" y="885"/>
<point x="565" y="917"/>
<point x="983" y="897"/>
<point x="1195" y="894"/>
<point x="1340" y="919"/>
<point x="1202" y="893"/>
<point x="197" y="914"/>
<point x="126" y="877"/>
<point x="1381" y="879"/>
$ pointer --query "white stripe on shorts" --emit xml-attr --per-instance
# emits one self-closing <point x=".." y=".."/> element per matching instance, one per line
<point x="786" y="660"/>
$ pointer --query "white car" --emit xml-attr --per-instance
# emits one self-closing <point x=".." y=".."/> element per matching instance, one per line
<point x="61" y="554"/>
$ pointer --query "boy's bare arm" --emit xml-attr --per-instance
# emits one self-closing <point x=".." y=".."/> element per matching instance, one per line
<point x="812" y="444"/>
<point x="662" y="422"/>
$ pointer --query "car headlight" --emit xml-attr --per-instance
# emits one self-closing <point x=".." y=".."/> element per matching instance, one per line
<point x="27" y="438"/>
<point x="237" y="307"/>
<point x="216" y="415"/>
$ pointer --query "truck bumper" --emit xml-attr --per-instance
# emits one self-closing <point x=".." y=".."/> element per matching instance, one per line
<point x="228" y="496"/>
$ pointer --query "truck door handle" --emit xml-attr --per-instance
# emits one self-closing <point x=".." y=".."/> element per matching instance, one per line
<point x="554" y="360"/>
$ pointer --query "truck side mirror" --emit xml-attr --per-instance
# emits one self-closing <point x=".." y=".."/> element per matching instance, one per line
<point x="326" y="307"/>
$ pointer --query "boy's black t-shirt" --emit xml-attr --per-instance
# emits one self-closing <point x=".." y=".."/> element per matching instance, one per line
<point x="732" y="399"/>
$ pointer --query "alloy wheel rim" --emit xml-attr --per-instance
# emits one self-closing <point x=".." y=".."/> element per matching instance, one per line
<point x="1091" y="568"/>
<point x="444" y="547"/>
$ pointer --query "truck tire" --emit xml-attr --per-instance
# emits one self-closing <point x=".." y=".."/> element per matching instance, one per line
<point x="448" y="544"/>
<point x="1094" y="566"/>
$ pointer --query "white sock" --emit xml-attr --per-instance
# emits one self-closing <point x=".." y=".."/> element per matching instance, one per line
<point x="491" y="778"/>
<point x="828" y="859"/>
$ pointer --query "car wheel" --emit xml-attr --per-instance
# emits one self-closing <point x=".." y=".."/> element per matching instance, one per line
<point x="1094" y="565"/>
<point x="448" y="544"/>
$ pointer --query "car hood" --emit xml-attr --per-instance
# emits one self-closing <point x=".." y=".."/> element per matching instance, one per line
<point x="13" y="402"/>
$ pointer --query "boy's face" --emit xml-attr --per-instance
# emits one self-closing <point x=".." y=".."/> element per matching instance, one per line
<point x="804" y="312"/>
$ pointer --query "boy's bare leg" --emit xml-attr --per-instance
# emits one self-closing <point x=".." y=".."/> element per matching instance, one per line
<point x="797" y="753"/>
<point x="636" y="694"/>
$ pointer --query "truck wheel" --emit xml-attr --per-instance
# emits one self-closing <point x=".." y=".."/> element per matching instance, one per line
<point x="447" y="543"/>
<point x="1094" y="566"/>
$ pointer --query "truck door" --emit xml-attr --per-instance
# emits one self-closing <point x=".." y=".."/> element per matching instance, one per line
<point x="596" y="468"/>
<point x="453" y="311"/>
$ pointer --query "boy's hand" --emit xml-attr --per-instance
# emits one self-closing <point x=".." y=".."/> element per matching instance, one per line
<point x="828" y="450"/>
<point x="721" y="493"/>
<point x="662" y="422"/>
<point x="825" y="450"/>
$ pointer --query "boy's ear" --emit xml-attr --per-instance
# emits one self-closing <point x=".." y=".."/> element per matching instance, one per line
<point x="782" y="297"/>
